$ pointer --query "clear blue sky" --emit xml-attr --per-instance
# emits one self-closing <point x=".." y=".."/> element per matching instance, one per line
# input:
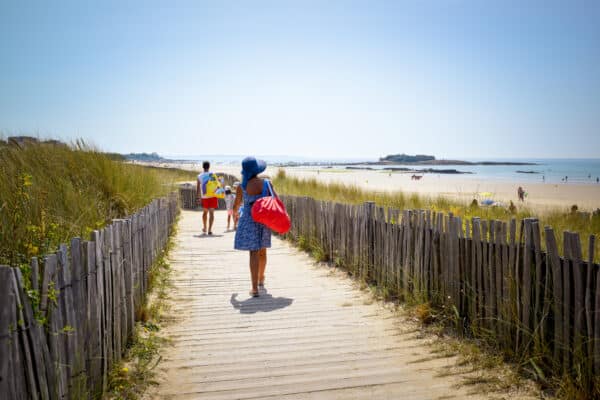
<point x="312" y="78"/>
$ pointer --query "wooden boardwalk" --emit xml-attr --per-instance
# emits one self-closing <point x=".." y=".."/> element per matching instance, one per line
<point x="314" y="335"/>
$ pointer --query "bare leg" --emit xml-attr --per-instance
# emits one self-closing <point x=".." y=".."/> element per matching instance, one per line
<point x="211" y="219"/>
<point x="254" y="262"/>
<point x="262" y="264"/>
<point x="204" y="220"/>
<point x="228" y="219"/>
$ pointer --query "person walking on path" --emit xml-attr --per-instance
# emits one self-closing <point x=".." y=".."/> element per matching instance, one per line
<point x="229" y="200"/>
<point x="521" y="194"/>
<point x="251" y="235"/>
<point x="206" y="187"/>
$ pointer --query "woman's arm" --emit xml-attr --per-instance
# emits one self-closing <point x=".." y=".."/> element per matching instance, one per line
<point x="198" y="196"/>
<point x="238" y="199"/>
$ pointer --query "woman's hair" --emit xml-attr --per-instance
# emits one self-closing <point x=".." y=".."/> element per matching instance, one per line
<point x="206" y="165"/>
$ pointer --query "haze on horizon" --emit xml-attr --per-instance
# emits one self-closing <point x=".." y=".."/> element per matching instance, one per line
<point x="343" y="79"/>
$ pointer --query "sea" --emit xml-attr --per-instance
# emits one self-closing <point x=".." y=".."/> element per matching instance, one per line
<point x="548" y="170"/>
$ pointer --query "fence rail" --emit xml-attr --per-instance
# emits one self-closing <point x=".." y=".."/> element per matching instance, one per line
<point x="535" y="305"/>
<point x="87" y="293"/>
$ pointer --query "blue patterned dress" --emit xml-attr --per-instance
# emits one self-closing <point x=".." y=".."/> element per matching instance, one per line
<point x="251" y="235"/>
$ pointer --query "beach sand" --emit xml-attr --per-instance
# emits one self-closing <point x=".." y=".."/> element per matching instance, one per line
<point x="540" y="196"/>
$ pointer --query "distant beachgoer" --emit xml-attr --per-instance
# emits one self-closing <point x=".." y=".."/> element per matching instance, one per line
<point x="229" y="199"/>
<point x="566" y="178"/>
<point x="207" y="185"/>
<point x="521" y="194"/>
<point x="251" y="235"/>
<point x="597" y="179"/>
<point x="543" y="178"/>
<point x="236" y="215"/>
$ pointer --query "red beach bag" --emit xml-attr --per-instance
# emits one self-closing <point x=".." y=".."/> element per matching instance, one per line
<point x="270" y="211"/>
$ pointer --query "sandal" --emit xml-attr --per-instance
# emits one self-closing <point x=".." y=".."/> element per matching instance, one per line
<point x="254" y="294"/>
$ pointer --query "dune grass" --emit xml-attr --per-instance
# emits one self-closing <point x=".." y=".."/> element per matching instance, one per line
<point x="559" y="219"/>
<point x="50" y="193"/>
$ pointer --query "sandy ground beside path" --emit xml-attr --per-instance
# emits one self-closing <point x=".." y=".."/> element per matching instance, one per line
<point x="541" y="196"/>
<point x="312" y="335"/>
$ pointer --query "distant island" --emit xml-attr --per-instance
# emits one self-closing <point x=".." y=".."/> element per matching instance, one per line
<point x="421" y="159"/>
<point x="145" y="157"/>
<point x="407" y="159"/>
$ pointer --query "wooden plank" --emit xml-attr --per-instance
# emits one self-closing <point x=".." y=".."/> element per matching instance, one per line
<point x="48" y="281"/>
<point x="428" y="277"/>
<point x="35" y="274"/>
<point x="526" y="292"/>
<point x="506" y="293"/>
<point x="512" y="281"/>
<point x="458" y="282"/>
<point x="120" y="317"/>
<point x="546" y="333"/>
<point x="408" y="235"/>
<point x="539" y="289"/>
<point x="33" y="365"/>
<point x="56" y="324"/>
<point x="478" y="267"/>
<point x="78" y="384"/>
<point x="491" y="271"/>
<point x="128" y="277"/>
<point x="498" y="275"/>
<point x="597" y="324"/>
<point x="578" y="297"/>
<point x="108" y="294"/>
<point x="589" y="287"/>
<point x="567" y="302"/>
<point x="67" y="332"/>
<point x="555" y="265"/>
<point x="12" y="382"/>
<point x="472" y="289"/>
<point x="94" y="324"/>
<point x="485" y="275"/>
<point x="98" y="243"/>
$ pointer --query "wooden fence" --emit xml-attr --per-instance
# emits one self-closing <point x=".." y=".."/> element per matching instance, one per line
<point x="87" y="293"/>
<point x="538" y="307"/>
<point x="187" y="193"/>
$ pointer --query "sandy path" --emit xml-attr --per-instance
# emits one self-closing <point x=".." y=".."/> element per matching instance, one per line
<point x="314" y="335"/>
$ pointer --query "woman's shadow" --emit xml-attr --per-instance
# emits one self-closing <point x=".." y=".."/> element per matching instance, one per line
<point x="264" y="303"/>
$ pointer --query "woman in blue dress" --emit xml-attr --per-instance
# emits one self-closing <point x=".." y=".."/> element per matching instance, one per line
<point x="251" y="235"/>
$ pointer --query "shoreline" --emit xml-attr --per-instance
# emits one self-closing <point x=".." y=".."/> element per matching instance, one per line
<point x="542" y="197"/>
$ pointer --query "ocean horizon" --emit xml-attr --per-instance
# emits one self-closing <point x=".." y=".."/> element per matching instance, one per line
<point x="546" y="170"/>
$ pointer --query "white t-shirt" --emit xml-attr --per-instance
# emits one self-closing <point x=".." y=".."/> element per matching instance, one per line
<point x="229" y="199"/>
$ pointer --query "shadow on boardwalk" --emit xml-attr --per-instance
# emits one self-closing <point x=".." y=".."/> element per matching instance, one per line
<point x="264" y="303"/>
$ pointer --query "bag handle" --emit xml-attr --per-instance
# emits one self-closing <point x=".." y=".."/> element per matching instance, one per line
<point x="271" y="188"/>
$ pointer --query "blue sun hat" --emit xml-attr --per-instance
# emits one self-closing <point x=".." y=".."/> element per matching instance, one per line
<point x="250" y="168"/>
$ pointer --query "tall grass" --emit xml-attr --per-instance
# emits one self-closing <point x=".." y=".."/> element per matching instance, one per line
<point x="559" y="219"/>
<point x="50" y="193"/>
